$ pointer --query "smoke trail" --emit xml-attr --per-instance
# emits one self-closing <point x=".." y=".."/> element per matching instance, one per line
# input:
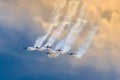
<point x="52" y="39"/>
<point x="59" y="45"/>
<point x="37" y="41"/>
<point x="59" y="5"/>
<point x="85" y="45"/>
<point x="74" y="32"/>
<point x="58" y="11"/>
<point x="66" y="22"/>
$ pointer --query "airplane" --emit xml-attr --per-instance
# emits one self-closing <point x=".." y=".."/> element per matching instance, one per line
<point x="48" y="46"/>
<point x="34" y="48"/>
<point x="71" y="54"/>
<point x="41" y="48"/>
<point x="59" y="50"/>
<point x="30" y="48"/>
<point x="52" y="53"/>
<point x="75" y="55"/>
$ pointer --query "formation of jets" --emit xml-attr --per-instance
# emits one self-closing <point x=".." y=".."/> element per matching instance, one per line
<point x="51" y="53"/>
<point x="70" y="37"/>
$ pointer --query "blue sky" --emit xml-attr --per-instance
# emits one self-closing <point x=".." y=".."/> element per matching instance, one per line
<point x="18" y="29"/>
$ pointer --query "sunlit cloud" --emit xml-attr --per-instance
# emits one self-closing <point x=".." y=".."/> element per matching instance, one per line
<point x="102" y="55"/>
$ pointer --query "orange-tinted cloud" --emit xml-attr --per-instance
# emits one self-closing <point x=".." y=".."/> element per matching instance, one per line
<point x="104" y="53"/>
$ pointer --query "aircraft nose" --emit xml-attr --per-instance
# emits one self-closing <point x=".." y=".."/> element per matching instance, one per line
<point x="25" y="48"/>
<point x="36" y="47"/>
<point x="47" y="53"/>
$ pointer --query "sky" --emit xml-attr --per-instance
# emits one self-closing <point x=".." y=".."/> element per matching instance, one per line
<point x="20" y="27"/>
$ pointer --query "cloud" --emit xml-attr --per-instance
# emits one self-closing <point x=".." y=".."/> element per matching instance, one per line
<point x="104" y="51"/>
<point x="22" y="69"/>
<point x="19" y="28"/>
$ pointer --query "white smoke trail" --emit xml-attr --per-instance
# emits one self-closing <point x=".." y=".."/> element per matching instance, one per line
<point x="58" y="11"/>
<point x="59" y="5"/>
<point x="37" y="41"/>
<point x="66" y="22"/>
<point x="73" y="35"/>
<point x="57" y="33"/>
<point x="74" y="32"/>
<point x="85" y="45"/>
<point x="59" y="45"/>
